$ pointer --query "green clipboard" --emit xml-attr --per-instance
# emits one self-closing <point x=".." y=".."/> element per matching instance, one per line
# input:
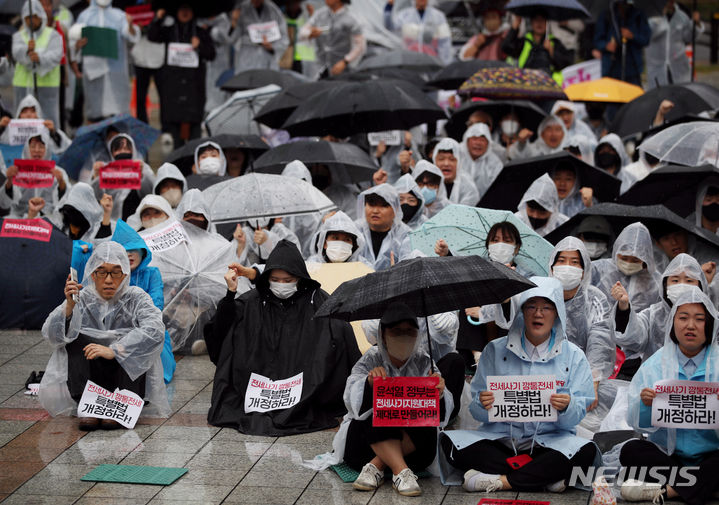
<point x="100" y="42"/>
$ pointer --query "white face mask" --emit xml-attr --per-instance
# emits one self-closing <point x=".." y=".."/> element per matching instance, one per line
<point x="675" y="291"/>
<point x="568" y="276"/>
<point x="210" y="166"/>
<point x="595" y="249"/>
<point x="103" y="3"/>
<point x="283" y="290"/>
<point x="338" y="251"/>
<point x="400" y="347"/>
<point x="509" y="127"/>
<point x="153" y="221"/>
<point x="629" y="268"/>
<point x="501" y="252"/>
<point x="173" y="196"/>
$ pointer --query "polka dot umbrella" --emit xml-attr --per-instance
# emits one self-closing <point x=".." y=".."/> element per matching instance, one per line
<point x="512" y="83"/>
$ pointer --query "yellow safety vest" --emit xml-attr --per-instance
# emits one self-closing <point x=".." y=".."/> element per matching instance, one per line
<point x="526" y="51"/>
<point x="23" y="75"/>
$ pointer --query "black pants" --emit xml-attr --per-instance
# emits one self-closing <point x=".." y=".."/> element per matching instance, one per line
<point x="104" y="372"/>
<point x="638" y="456"/>
<point x="362" y="434"/>
<point x="490" y="456"/>
<point x="142" y="84"/>
<point x="175" y="129"/>
<point x="451" y="367"/>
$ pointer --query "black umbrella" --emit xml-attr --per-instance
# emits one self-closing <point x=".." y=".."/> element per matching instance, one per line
<point x="184" y="157"/>
<point x="673" y="186"/>
<point x="558" y="10"/>
<point x="656" y="218"/>
<point x="251" y="79"/>
<point x="276" y="111"/>
<point x="200" y="8"/>
<point x="406" y="60"/>
<point x="32" y="276"/>
<point x="361" y="107"/>
<point x="453" y="75"/>
<point x="648" y="7"/>
<point x="689" y="98"/>
<point x="348" y="163"/>
<point x="515" y="178"/>
<point x="529" y="114"/>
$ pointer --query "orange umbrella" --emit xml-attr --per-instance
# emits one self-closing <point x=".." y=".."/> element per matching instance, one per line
<point x="605" y="89"/>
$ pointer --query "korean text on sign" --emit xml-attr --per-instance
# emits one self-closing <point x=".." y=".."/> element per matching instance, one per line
<point x="19" y="130"/>
<point x="121" y="174"/>
<point x="685" y="404"/>
<point x="122" y="405"/>
<point x="390" y="138"/>
<point x="264" y="394"/>
<point x="164" y="237"/>
<point x="34" y="173"/>
<point x="522" y="398"/>
<point x="405" y="401"/>
<point x="34" y="229"/>
<point x="269" y="31"/>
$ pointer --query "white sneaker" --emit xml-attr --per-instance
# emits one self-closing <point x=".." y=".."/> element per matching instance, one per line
<point x="635" y="490"/>
<point x="558" y="487"/>
<point x="474" y="481"/>
<point x="166" y="143"/>
<point x="405" y="483"/>
<point x="199" y="347"/>
<point x="369" y="479"/>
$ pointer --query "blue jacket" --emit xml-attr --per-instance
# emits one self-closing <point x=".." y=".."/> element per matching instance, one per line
<point x="604" y="30"/>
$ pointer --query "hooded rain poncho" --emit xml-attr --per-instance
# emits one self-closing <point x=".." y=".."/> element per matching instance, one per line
<point x="464" y="191"/>
<point x="524" y="150"/>
<point x="440" y="200"/>
<point x="81" y="197"/>
<point x="338" y="222"/>
<point x="544" y="192"/>
<point x="302" y="226"/>
<point x="60" y="140"/>
<point x="616" y="143"/>
<point x="406" y="184"/>
<point x="485" y="169"/>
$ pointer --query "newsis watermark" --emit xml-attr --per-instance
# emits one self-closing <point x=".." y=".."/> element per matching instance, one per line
<point x="664" y="475"/>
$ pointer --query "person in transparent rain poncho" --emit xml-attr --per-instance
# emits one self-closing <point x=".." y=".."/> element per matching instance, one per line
<point x="573" y="197"/>
<point x="423" y="29"/>
<point x="371" y="450"/>
<point x="567" y="112"/>
<point x="411" y="200"/>
<point x="112" y="335"/>
<point x="539" y="207"/>
<point x="78" y="214"/>
<point x="338" y="241"/>
<point x="29" y="108"/>
<point x="611" y="157"/>
<point x="194" y="209"/>
<point x="170" y="184"/>
<point x="430" y="181"/>
<point x="304" y="227"/>
<point x="458" y="183"/>
<point x="478" y="157"/>
<point x="689" y="353"/>
<point x="536" y="345"/>
<point x="632" y="265"/>
<point x="552" y="139"/>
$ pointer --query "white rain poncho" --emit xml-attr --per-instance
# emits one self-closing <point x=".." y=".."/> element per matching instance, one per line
<point x="106" y="81"/>
<point x="80" y="197"/>
<point x="666" y="52"/>
<point x="578" y="126"/>
<point x="524" y="150"/>
<point x="194" y="201"/>
<point x="60" y="141"/>
<point x="250" y="55"/>
<point x="544" y="192"/>
<point x="397" y="239"/>
<point x="223" y="160"/>
<point x="341" y="38"/>
<point x="642" y="287"/>
<point x="406" y="184"/>
<point x="572" y="204"/>
<point x="464" y="191"/>
<point x="302" y="226"/>
<point x="338" y="222"/>
<point x="663" y="365"/>
<point x="639" y="169"/>
<point x="128" y="323"/>
<point x="120" y="195"/>
<point x="219" y="29"/>
<point x="344" y="196"/>
<point x="428" y="33"/>
<point x="50" y="57"/>
<point x="169" y="171"/>
<point x="440" y="201"/>
<point x="259" y="253"/>
<point x="485" y="169"/>
<point x="616" y="143"/>
<point x="18" y="203"/>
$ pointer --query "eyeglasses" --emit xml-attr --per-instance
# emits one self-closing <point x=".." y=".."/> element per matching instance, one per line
<point x="115" y="274"/>
<point x="541" y="310"/>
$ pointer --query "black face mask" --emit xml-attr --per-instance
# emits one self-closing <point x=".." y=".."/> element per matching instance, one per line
<point x="607" y="160"/>
<point x="408" y="212"/>
<point x="537" y="222"/>
<point x="321" y="182"/>
<point x="200" y="223"/>
<point x="123" y="156"/>
<point x="711" y="212"/>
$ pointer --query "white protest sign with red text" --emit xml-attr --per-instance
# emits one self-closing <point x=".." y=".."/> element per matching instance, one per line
<point x="405" y="401"/>
<point x="34" y="229"/>
<point x="263" y="394"/>
<point x="34" y="173"/>
<point x="686" y="404"/>
<point x="522" y="398"/>
<point x="122" y="405"/>
<point x="164" y="236"/>
<point x="121" y="174"/>
<point x="19" y="130"/>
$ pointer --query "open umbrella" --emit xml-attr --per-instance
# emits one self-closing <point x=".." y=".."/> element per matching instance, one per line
<point x="465" y="230"/>
<point x="276" y="111"/>
<point x="361" y="107"/>
<point x="453" y="75"/>
<point x="236" y="115"/>
<point x="557" y="10"/>
<point x="691" y="144"/>
<point x="606" y="90"/>
<point x="184" y="157"/>
<point x="673" y="186"/>
<point x="254" y="196"/>
<point x="415" y="77"/>
<point x="512" y="82"/>
<point x="347" y="162"/>
<point x="401" y="58"/>
<point x="260" y="77"/>
<point x="515" y="178"/>
<point x="689" y="98"/>
<point x="92" y="137"/>
<point x="529" y="114"/>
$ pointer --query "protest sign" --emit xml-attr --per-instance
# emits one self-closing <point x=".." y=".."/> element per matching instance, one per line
<point x="121" y="174"/>
<point x="685" y="404"/>
<point x="164" y="236"/>
<point x="405" y="401"/>
<point x="142" y="15"/>
<point x="390" y="138"/>
<point x="270" y="31"/>
<point x="101" y="42"/>
<point x="264" y="394"/>
<point x="34" y="173"/>
<point x="522" y="398"/>
<point x="582" y="72"/>
<point x="182" y="55"/>
<point x="500" y="501"/>
<point x="19" y="130"/>
<point x="34" y="229"/>
<point x="122" y="405"/>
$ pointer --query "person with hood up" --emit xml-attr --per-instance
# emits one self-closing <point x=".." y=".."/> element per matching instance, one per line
<point x="536" y="344"/>
<point x="581" y="147"/>
<point x="597" y="235"/>
<point x="105" y="81"/>
<point x="487" y="44"/>
<point x="21" y="200"/>
<point x="430" y="180"/>
<point x="112" y="335"/>
<point x="29" y="108"/>
<point x="632" y="265"/>
<point x="338" y="241"/>
<point x="689" y="353"/>
<point x="567" y="112"/>
<point x="539" y="207"/>
<point x="671" y="240"/>
<point x="303" y="226"/>
<point x="37" y="50"/>
<point x="78" y="214"/>
<point x="611" y="157"/>
<point x="386" y="236"/>
<point x="552" y="139"/>
<point x="706" y="209"/>
<point x="573" y="198"/>
<point x="458" y="183"/>
<point x="149" y="279"/>
<point x="271" y="331"/>
<point x="478" y="158"/>
<point x="170" y="184"/>
<point x="193" y="209"/>
<point x="423" y="29"/>
<point x="252" y="47"/>
<point x="210" y="166"/>
<point x="411" y="200"/>
<point x="125" y="201"/>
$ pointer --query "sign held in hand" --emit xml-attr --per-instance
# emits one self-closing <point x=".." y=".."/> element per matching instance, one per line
<point x="121" y="174"/>
<point x="34" y="173"/>
<point x="405" y="401"/>
<point x="522" y="398"/>
<point x="686" y="404"/>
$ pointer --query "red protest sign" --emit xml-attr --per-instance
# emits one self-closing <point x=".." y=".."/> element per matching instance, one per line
<point x="121" y="174"/>
<point x="142" y="15"/>
<point x="497" y="501"/>
<point x="34" y="229"/>
<point x="34" y="173"/>
<point x="405" y="401"/>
